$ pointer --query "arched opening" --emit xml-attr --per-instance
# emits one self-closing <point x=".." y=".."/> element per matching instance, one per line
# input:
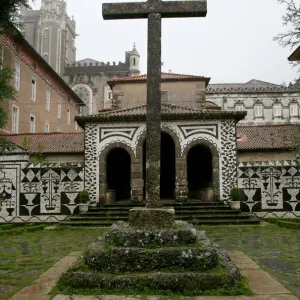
<point x="167" y="167"/>
<point x="118" y="172"/>
<point x="200" y="173"/>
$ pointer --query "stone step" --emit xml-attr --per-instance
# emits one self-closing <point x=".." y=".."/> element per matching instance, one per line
<point x="211" y="222"/>
<point x="177" y="208"/>
<point x="182" y="213"/>
<point x="170" y="281"/>
<point x="249" y="221"/>
<point x="132" y="259"/>
<point x="178" y="217"/>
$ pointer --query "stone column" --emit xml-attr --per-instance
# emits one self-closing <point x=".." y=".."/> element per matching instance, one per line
<point x="181" y="190"/>
<point x="137" y="182"/>
<point x="153" y="111"/>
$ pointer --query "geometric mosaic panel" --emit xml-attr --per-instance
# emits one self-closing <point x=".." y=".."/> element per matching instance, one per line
<point x="270" y="186"/>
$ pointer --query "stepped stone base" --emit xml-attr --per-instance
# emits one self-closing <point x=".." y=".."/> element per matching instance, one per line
<point x="178" y="259"/>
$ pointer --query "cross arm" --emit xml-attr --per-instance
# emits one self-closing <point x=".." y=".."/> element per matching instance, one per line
<point x="167" y="9"/>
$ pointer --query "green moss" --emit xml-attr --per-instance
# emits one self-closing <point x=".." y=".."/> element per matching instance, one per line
<point x="240" y="288"/>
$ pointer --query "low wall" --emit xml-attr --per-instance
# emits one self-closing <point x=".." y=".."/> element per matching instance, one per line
<point x="38" y="193"/>
<point x="270" y="189"/>
<point x="47" y="193"/>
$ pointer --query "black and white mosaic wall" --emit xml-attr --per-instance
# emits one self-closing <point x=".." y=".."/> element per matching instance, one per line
<point x="219" y="134"/>
<point x="38" y="193"/>
<point x="270" y="189"/>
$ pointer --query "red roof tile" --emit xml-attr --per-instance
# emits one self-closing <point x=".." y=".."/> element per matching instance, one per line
<point x="50" y="142"/>
<point x="266" y="137"/>
<point x="164" y="77"/>
<point x="272" y="137"/>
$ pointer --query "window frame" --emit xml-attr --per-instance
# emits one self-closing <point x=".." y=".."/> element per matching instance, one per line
<point x="17" y="78"/>
<point x="47" y="126"/>
<point x="33" y="89"/>
<point x="296" y="106"/>
<point x="59" y="109"/>
<point x="166" y="94"/>
<point x="256" y="108"/>
<point x="15" y="124"/>
<point x="48" y="100"/>
<point x="68" y="116"/>
<point x="32" y="125"/>
<point x="277" y="107"/>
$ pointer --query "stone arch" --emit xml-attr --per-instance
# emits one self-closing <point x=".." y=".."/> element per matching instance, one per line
<point x="102" y="166"/>
<point x="215" y="164"/>
<point x="142" y="137"/>
<point x="85" y="93"/>
<point x="178" y="159"/>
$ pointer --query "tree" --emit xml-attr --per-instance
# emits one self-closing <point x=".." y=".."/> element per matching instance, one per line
<point x="291" y="20"/>
<point x="10" y="17"/>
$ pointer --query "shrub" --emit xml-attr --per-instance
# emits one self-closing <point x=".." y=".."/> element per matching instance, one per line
<point x="234" y="194"/>
<point x="83" y="197"/>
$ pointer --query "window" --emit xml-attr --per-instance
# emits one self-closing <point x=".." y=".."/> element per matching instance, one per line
<point x="33" y="89"/>
<point x="48" y="97"/>
<point x="134" y="61"/>
<point x="47" y="126"/>
<point x="17" y="76"/>
<point x="258" y="111"/>
<point x="32" y="124"/>
<point x="164" y="96"/>
<point x="294" y="109"/>
<point x="277" y="110"/>
<point x="69" y="117"/>
<point x="15" y="119"/>
<point x="59" y="109"/>
<point x="239" y="107"/>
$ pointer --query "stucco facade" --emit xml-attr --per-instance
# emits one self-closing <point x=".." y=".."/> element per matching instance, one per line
<point x="44" y="102"/>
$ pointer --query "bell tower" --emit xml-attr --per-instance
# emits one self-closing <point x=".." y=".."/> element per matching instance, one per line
<point x="52" y="33"/>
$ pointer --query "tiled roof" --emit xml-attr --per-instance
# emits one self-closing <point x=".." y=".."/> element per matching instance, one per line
<point x="252" y="86"/>
<point x="267" y="137"/>
<point x="168" y="112"/>
<point x="249" y="138"/>
<point x="50" y="142"/>
<point x="164" y="77"/>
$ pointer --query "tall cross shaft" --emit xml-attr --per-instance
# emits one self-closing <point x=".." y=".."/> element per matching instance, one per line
<point x="154" y="10"/>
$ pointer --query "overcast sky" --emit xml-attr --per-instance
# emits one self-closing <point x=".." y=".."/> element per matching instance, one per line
<point x="234" y="43"/>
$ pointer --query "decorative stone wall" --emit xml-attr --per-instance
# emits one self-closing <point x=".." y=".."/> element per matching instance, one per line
<point x="270" y="189"/>
<point x="38" y="193"/>
<point x="218" y="136"/>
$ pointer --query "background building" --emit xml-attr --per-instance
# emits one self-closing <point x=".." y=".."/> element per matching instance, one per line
<point x="44" y="102"/>
<point x="266" y="103"/>
<point x="51" y="33"/>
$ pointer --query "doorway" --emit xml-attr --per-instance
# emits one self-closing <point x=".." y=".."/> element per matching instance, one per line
<point x="200" y="173"/>
<point x="167" y="167"/>
<point x="118" y="172"/>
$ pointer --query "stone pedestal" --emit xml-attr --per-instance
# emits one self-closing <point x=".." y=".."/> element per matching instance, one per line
<point x="151" y="218"/>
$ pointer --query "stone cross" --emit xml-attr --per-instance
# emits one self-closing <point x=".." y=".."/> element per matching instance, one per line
<point x="154" y="10"/>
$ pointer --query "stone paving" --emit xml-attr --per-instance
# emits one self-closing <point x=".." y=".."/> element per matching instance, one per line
<point x="25" y="257"/>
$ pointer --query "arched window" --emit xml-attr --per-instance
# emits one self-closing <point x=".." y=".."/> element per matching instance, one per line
<point x="134" y="61"/>
<point x="84" y="92"/>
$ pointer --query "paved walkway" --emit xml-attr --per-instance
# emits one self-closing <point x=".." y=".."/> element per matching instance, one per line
<point x="262" y="284"/>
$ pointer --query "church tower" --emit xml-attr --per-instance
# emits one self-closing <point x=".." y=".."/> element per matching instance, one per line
<point x="52" y="33"/>
<point x="134" y="62"/>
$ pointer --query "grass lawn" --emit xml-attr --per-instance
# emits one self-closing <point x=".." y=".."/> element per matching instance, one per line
<point x="25" y="256"/>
